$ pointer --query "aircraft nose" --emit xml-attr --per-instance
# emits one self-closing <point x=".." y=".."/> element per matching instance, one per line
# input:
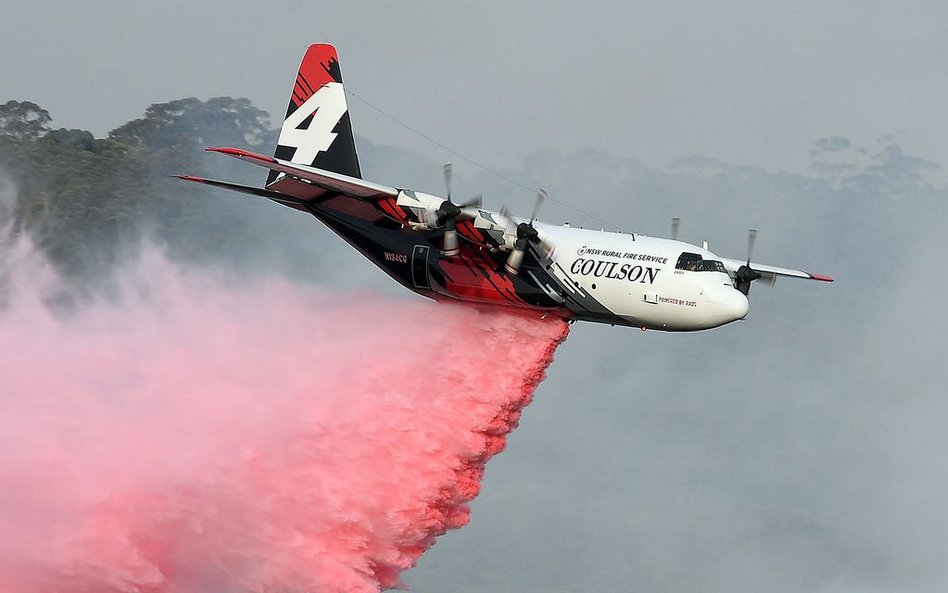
<point x="733" y="303"/>
<point x="738" y="304"/>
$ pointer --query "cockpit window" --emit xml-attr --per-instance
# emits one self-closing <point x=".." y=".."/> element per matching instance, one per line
<point x="693" y="262"/>
<point x="689" y="261"/>
<point x="710" y="265"/>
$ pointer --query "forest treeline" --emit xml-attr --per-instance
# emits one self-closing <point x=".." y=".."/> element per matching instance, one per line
<point x="87" y="202"/>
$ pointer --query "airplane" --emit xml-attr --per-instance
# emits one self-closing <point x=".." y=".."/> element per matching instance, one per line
<point x="461" y="252"/>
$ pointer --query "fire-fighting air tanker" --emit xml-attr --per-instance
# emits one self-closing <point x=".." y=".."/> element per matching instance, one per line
<point x="462" y="252"/>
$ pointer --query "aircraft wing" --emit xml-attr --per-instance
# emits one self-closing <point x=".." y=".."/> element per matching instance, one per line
<point x="770" y="273"/>
<point x="322" y="179"/>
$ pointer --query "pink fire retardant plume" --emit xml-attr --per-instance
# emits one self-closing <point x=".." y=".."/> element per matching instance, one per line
<point x="199" y="435"/>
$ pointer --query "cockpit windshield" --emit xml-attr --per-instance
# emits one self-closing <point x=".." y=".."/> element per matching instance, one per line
<point x="711" y="265"/>
<point x="694" y="263"/>
<point x="689" y="261"/>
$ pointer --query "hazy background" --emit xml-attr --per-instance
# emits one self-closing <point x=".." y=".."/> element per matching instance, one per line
<point x="799" y="450"/>
<point x="743" y="81"/>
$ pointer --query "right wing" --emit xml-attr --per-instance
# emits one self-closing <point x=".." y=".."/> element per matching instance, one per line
<point x="770" y="273"/>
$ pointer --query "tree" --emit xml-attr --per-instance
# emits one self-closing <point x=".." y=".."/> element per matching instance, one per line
<point x="23" y="120"/>
<point x="193" y="123"/>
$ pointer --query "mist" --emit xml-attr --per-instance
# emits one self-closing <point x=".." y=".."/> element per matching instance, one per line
<point x="194" y="433"/>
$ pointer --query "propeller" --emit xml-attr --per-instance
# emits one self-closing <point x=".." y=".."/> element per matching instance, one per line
<point x="448" y="213"/>
<point x="676" y="222"/>
<point x="745" y="274"/>
<point x="526" y="234"/>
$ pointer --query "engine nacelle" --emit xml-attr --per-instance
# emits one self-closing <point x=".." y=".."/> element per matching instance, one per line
<point x="422" y="208"/>
<point x="501" y="230"/>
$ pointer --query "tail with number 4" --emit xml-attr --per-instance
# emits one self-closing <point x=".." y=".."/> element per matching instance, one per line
<point x="316" y="131"/>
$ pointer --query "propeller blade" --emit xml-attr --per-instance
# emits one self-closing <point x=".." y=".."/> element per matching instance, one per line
<point x="541" y="195"/>
<point x="504" y="220"/>
<point x="676" y="222"/>
<point x="550" y="248"/>
<point x="476" y="202"/>
<point x="525" y="234"/>
<point x="447" y="179"/>
<point x="751" y="239"/>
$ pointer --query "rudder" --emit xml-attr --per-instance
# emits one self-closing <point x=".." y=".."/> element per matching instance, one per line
<point x="316" y="130"/>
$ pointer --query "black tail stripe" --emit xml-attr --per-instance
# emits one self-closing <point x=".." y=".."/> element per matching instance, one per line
<point x="308" y="85"/>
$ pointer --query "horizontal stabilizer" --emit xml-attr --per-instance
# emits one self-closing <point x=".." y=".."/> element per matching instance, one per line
<point x="246" y="189"/>
<point x="337" y="182"/>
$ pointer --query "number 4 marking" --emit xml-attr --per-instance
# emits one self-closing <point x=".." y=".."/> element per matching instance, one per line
<point x="327" y="106"/>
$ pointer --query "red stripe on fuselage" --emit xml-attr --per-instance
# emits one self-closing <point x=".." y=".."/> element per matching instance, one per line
<point x="471" y="275"/>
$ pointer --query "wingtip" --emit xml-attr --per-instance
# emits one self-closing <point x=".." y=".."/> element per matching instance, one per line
<point x="226" y="150"/>
<point x="240" y="153"/>
<point x="822" y="278"/>
<point x="187" y="178"/>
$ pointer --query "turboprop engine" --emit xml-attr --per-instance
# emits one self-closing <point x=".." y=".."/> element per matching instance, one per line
<point x="432" y="212"/>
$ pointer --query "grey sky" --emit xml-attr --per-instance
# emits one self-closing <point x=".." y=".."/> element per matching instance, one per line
<point x="744" y="81"/>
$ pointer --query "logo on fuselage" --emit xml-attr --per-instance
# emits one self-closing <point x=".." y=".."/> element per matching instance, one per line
<point x="600" y="268"/>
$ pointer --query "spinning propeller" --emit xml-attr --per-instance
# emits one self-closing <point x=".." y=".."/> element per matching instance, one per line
<point x="745" y="274"/>
<point x="526" y="233"/>
<point x="448" y="213"/>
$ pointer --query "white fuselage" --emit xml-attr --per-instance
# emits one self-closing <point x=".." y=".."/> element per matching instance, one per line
<point x="634" y="277"/>
<point x="618" y="278"/>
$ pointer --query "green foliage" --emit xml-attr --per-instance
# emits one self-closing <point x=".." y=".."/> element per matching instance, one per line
<point x="189" y="123"/>
<point x="88" y="201"/>
<point x="23" y="120"/>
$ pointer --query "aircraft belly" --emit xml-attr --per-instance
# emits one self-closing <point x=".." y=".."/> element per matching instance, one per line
<point x="389" y="249"/>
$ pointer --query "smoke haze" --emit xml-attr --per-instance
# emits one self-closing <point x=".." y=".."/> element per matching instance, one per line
<point x="801" y="450"/>
<point x="196" y="435"/>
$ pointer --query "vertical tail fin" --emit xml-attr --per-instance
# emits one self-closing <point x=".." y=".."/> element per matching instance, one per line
<point x="316" y="130"/>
